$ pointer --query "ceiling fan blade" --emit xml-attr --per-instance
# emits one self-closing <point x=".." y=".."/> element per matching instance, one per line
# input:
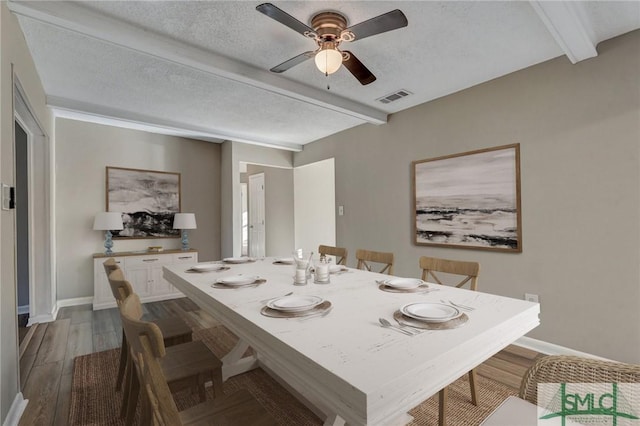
<point x="296" y="60"/>
<point x="358" y="69"/>
<point x="380" y="24"/>
<point x="284" y="18"/>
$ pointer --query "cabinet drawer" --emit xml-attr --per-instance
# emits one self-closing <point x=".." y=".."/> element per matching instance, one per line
<point x="185" y="258"/>
<point x="147" y="260"/>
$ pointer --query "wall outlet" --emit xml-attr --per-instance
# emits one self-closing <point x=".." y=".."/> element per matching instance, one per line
<point x="340" y="210"/>
<point x="531" y="297"/>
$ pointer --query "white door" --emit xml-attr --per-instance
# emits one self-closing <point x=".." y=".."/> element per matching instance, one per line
<point x="314" y="205"/>
<point x="256" y="216"/>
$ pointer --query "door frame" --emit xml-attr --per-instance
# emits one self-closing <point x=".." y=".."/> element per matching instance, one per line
<point x="251" y="199"/>
<point x="42" y="291"/>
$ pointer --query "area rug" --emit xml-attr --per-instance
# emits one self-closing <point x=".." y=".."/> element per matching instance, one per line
<point x="95" y="402"/>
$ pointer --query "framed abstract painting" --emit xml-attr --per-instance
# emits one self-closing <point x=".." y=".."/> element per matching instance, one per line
<point x="469" y="200"/>
<point x="147" y="199"/>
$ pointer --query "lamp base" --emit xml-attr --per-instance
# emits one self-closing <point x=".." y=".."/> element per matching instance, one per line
<point x="108" y="242"/>
<point x="185" y="240"/>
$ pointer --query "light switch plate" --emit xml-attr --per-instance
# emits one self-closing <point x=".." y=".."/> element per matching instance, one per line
<point x="6" y="197"/>
<point x="340" y="210"/>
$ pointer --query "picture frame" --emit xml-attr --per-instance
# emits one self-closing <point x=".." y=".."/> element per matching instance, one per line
<point x="147" y="199"/>
<point x="469" y="200"/>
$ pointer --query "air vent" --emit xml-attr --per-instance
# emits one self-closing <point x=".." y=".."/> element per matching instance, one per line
<point x="394" y="96"/>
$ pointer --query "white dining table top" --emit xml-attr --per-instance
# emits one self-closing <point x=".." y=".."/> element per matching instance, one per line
<point x="375" y="370"/>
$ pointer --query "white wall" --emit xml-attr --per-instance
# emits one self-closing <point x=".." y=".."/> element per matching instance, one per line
<point x="315" y="205"/>
<point x="83" y="152"/>
<point x="14" y="59"/>
<point x="579" y="130"/>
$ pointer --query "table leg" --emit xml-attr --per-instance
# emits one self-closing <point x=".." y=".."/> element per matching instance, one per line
<point x="234" y="363"/>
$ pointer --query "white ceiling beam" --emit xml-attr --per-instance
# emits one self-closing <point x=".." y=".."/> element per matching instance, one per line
<point x="567" y="23"/>
<point x="105" y="115"/>
<point x="76" y="18"/>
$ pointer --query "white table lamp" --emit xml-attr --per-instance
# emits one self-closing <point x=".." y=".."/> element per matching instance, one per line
<point x="184" y="221"/>
<point x="108" y="221"/>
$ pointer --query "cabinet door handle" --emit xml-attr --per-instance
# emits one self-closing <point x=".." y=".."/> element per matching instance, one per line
<point x="185" y="257"/>
<point x="150" y="260"/>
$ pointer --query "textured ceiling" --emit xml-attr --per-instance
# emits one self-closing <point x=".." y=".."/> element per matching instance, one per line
<point x="201" y="67"/>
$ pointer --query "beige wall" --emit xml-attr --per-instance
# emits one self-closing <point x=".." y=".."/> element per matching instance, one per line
<point x="579" y="130"/>
<point x="83" y="150"/>
<point x="13" y="53"/>
<point x="278" y="195"/>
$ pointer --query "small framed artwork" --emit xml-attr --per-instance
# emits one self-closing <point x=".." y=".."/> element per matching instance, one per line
<point x="469" y="200"/>
<point x="147" y="199"/>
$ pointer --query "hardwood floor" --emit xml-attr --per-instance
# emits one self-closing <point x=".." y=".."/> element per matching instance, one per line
<point x="46" y="365"/>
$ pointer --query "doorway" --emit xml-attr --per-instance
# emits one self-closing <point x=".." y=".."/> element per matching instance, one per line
<point x="22" y="226"/>
<point x="257" y="245"/>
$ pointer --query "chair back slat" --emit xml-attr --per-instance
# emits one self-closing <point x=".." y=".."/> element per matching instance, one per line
<point x="110" y="265"/>
<point x="367" y="256"/>
<point x="339" y="252"/>
<point x="431" y="265"/>
<point x="120" y="287"/>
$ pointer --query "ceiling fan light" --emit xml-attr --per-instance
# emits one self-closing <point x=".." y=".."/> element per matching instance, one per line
<point x="328" y="60"/>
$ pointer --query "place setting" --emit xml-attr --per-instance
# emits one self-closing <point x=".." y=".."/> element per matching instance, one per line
<point x="283" y="261"/>
<point x="430" y="316"/>
<point x="238" y="281"/>
<point x="404" y="285"/>
<point x="293" y="306"/>
<point x="207" y="267"/>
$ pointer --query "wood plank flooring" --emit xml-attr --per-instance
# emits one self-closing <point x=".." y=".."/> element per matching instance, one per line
<point x="47" y="363"/>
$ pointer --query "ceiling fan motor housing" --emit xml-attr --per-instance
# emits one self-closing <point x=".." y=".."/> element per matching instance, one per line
<point x="329" y="25"/>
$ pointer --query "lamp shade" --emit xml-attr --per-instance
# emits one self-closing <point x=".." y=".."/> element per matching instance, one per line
<point x="184" y="221"/>
<point x="328" y="60"/>
<point x="108" y="221"/>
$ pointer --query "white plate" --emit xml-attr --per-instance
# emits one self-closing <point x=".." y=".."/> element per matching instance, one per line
<point x="295" y="303"/>
<point x="431" y="312"/>
<point x="238" y="280"/>
<point x="206" y="267"/>
<point x="242" y="259"/>
<point x="284" y="260"/>
<point x="403" y="283"/>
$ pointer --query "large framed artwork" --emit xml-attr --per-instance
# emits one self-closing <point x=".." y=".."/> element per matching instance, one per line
<point x="469" y="200"/>
<point x="147" y="199"/>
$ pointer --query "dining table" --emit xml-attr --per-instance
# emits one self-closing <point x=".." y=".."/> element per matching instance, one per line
<point x="339" y="360"/>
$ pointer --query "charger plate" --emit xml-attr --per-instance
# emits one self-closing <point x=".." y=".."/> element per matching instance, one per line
<point x="274" y="313"/>
<point x="284" y="261"/>
<point x="257" y="282"/>
<point x="446" y="325"/>
<point x="419" y="289"/>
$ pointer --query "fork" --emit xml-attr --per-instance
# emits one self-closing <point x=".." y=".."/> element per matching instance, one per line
<point x="386" y="324"/>
<point x="320" y="314"/>
<point x="457" y="305"/>
<point x="274" y="298"/>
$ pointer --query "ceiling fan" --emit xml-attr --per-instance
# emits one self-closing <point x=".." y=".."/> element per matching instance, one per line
<point x="329" y="30"/>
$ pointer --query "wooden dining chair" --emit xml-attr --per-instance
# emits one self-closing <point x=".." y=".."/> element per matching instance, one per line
<point x="174" y="329"/>
<point x="574" y="369"/>
<point x="453" y="269"/>
<point x="340" y="253"/>
<point x="186" y="365"/>
<point x="239" y="408"/>
<point x="366" y="256"/>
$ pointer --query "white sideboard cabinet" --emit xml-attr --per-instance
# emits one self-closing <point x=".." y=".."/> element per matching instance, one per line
<point x="143" y="270"/>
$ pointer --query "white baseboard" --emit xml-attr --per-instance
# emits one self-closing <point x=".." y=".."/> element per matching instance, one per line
<point x="39" y="319"/>
<point x="15" y="412"/>
<point x="75" y="301"/>
<point x="23" y="309"/>
<point x="552" y="349"/>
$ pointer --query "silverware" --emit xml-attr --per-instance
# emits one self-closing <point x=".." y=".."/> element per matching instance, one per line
<point x="319" y="314"/>
<point x="414" y="330"/>
<point x="386" y="324"/>
<point x="457" y="305"/>
<point x="277" y="297"/>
